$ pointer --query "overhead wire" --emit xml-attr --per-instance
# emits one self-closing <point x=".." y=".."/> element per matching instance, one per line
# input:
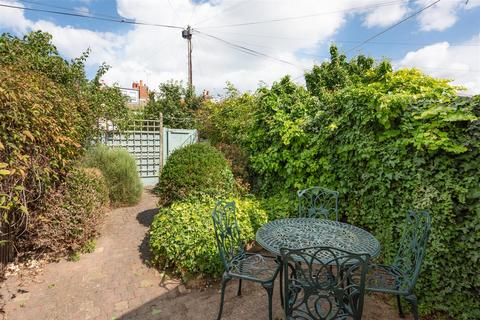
<point x="41" y="4"/>
<point x="94" y="17"/>
<point x="245" y="49"/>
<point x="307" y="16"/>
<point x="392" y="26"/>
<point x="402" y="43"/>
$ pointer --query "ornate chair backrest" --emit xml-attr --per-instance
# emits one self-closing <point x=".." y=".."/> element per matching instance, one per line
<point x="411" y="251"/>
<point x="227" y="232"/>
<point x="325" y="283"/>
<point x="318" y="202"/>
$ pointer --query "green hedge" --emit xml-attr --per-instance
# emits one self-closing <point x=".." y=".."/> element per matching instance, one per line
<point x="70" y="216"/>
<point x="389" y="142"/>
<point x="48" y="112"/>
<point x="182" y="235"/>
<point x="196" y="168"/>
<point x="120" y="171"/>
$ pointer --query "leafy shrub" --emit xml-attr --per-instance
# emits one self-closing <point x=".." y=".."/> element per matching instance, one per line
<point x="69" y="217"/>
<point x="280" y="205"/>
<point x="196" y="168"/>
<point x="227" y="121"/>
<point x="176" y="101"/>
<point x="48" y="113"/>
<point x="120" y="171"/>
<point x="38" y="146"/>
<point x="237" y="159"/>
<point x="388" y="141"/>
<point x="182" y="236"/>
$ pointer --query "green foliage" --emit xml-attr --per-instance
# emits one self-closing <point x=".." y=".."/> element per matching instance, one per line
<point x="339" y="73"/>
<point x="226" y="124"/>
<point x="48" y="113"/>
<point x="182" y="235"/>
<point x="279" y="145"/>
<point x="120" y="171"/>
<point x="388" y="141"/>
<point x="177" y="103"/>
<point x="89" y="246"/>
<point x="228" y="120"/>
<point x="37" y="144"/>
<point x="69" y="217"/>
<point x="238" y="161"/>
<point x="196" y="168"/>
<point x="91" y="100"/>
<point x="280" y="205"/>
<point x="74" y="256"/>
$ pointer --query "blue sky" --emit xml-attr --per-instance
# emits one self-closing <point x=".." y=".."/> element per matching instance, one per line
<point x="444" y="41"/>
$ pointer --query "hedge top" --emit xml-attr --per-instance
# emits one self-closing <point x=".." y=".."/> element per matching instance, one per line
<point x="193" y="169"/>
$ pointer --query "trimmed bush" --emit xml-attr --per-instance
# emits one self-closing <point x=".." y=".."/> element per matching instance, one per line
<point x="182" y="236"/>
<point x="120" y="171"/>
<point x="70" y="216"/>
<point x="194" y="169"/>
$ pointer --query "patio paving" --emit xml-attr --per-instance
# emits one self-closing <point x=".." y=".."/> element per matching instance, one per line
<point x="115" y="282"/>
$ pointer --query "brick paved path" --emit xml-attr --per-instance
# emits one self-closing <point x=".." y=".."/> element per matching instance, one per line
<point x="115" y="282"/>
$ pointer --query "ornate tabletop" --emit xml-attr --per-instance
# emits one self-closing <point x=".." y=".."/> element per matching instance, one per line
<point x="296" y="233"/>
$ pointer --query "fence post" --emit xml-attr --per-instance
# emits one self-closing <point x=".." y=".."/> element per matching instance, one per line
<point x="161" y="143"/>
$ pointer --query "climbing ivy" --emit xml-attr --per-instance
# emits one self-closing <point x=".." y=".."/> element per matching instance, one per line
<point x="388" y="141"/>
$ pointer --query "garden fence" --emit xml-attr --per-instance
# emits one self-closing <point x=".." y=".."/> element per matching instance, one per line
<point x="149" y="143"/>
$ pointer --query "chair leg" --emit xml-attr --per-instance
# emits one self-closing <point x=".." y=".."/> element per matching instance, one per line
<point x="269" y="288"/>
<point x="413" y="301"/>
<point x="239" y="292"/>
<point x="281" y="286"/>
<point x="399" y="304"/>
<point x="222" y="297"/>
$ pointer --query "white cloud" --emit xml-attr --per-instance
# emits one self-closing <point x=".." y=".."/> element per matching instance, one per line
<point x="13" y="18"/>
<point x="444" y="14"/>
<point x="460" y="63"/>
<point x="158" y="54"/>
<point x="472" y="4"/>
<point x="82" y="9"/>
<point x="162" y="53"/>
<point x="72" y="41"/>
<point x="386" y="15"/>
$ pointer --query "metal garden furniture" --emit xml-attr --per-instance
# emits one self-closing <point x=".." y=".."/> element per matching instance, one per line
<point x="297" y="233"/>
<point x="237" y="263"/>
<point x="328" y="283"/>
<point x="318" y="202"/>
<point x="400" y="277"/>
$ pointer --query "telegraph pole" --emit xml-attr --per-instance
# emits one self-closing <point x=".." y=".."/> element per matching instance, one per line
<point x="187" y="34"/>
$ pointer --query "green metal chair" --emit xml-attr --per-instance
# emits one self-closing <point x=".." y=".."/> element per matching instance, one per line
<point x="237" y="263"/>
<point x="323" y="283"/>
<point x="400" y="277"/>
<point x="318" y="202"/>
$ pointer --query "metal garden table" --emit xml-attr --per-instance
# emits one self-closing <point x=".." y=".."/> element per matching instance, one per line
<point x="297" y="233"/>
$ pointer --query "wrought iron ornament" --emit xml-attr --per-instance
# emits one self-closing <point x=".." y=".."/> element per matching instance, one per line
<point x="323" y="283"/>
<point x="318" y="202"/>
<point x="237" y="263"/>
<point x="297" y="233"/>
<point x="400" y="277"/>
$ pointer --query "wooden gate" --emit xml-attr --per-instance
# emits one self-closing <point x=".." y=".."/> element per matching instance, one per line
<point x="149" y="143"/>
